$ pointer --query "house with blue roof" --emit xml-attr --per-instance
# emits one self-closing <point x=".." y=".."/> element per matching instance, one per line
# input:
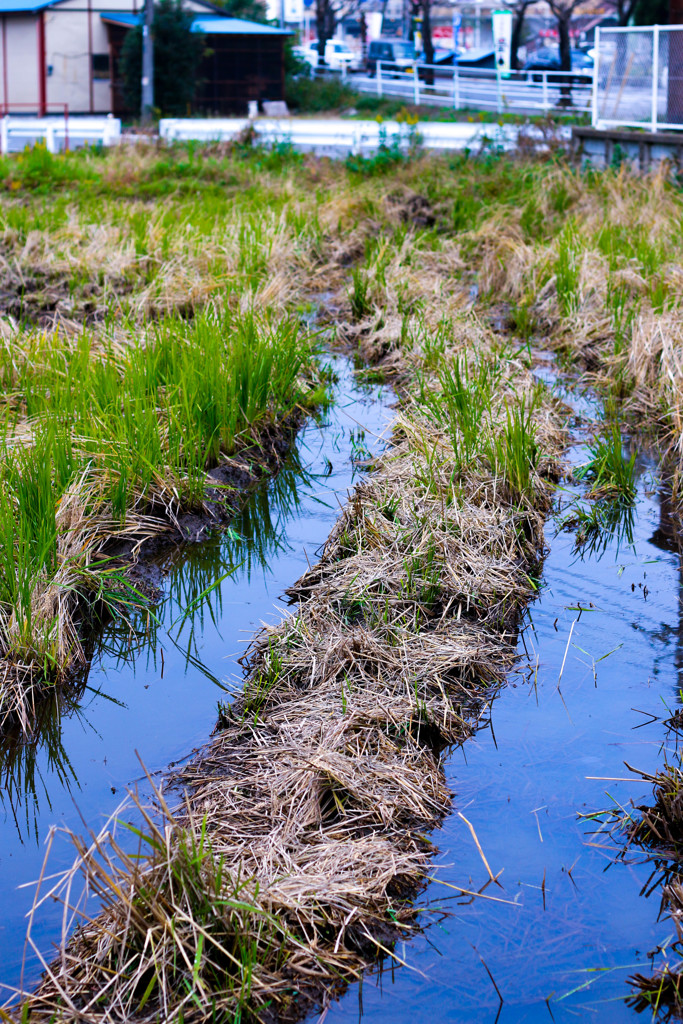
<point x="62" y="56"/>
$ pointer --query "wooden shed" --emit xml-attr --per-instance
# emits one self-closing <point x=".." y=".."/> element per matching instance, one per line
<point x="244" y="61"/>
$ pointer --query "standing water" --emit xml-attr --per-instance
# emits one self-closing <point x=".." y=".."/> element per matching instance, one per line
<point x="564" y="926"/>
<point x="153" y="690"/>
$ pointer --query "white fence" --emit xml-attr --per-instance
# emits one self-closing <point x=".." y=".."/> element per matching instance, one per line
<point x="341" y="136"/>
<point x="482" y="88"/>
<point x="58" y="133"/>
<point x="638" y="77"/>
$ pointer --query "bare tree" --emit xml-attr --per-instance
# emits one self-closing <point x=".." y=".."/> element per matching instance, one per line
<point x="427" y="41"/>
<point x="623" y="10"/>
<point x="328" y="14"/>
<point x="519" y="10"/>
<point x="564" y="11"/>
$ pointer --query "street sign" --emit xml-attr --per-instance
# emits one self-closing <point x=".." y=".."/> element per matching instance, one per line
<point x="502" y="39"/>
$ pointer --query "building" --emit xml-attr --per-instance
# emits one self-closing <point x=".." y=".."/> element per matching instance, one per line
<point x="60" y="56"/>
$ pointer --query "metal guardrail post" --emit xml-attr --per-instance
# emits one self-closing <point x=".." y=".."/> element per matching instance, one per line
<point x="378" y="69"/>
<point x="416" y="85"/>
<point x="499" y="97"/>
<point x="4" y="135"/>
<point x="456" y="88"/>
<point x="655" y="74"/>
<point x="596" y="64"/>
<point x="544" y="99"/>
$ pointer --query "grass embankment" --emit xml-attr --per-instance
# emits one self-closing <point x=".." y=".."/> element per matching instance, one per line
<point x="145" y="343"/>
<point x="295" y="858"/>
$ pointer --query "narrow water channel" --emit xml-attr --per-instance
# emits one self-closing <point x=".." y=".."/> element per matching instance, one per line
<point x="577" y="925"/>
<point x="607" y="621"/>
<point x="154" y="690"/>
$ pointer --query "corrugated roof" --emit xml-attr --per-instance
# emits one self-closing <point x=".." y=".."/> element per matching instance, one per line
<point x="119" y="18"/>
<point x="215" y="24"/>
<point x="211" y="24"/>
<point x="24" y="6"/>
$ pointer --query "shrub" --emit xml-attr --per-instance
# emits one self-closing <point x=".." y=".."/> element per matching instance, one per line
<point x="177" y="55"/>
<point x="313" y="95"/>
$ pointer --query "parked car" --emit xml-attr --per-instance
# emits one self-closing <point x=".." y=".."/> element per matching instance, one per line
<point x="337" y="55"/>
<point x="441" y="56"/>
<point x="396" y="55"/>
<point x="547" y="59"/>
<point x="476" y="60"/>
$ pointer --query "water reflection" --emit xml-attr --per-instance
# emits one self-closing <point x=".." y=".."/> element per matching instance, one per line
<point x="140" y="640"/>
<point x="29" y="768"/>
<point x="156" y="677"/>
<point x="603" y="639"/>
<point x="601" y="526"/>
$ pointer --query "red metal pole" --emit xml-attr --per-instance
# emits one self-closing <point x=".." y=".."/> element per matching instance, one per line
<point x="42" y="69"/>
<point x="5" y="89"/>
<point x="90" y="80"/>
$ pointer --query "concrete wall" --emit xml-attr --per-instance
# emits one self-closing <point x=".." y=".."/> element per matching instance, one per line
<point x="74" y="32"/>
<point x="641" y="150"/>
<point x="19" y="65"/>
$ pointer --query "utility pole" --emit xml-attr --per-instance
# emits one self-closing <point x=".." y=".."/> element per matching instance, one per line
<point x="147" y="91"/>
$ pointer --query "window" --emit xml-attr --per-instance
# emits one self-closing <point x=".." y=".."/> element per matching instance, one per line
<point x="100" y="65"/>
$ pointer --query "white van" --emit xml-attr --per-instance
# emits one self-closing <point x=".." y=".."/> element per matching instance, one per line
<point x="337" y="54"/>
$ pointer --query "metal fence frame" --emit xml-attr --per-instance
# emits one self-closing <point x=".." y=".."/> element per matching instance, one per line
<point x="654" y="122"/>
<point x="509" y="91"/>
<point x="476" y="88"/>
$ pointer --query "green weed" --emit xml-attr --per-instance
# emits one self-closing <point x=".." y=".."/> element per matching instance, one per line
<point x="608" y="470"/>
<point x="567" y="267"/>
<point x="513" y="453"/>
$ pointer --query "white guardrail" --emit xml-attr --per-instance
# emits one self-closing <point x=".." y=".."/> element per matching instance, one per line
<point x="58" y="133"/>
<point x="480" y="88"/>
<point x="341" y="136"/>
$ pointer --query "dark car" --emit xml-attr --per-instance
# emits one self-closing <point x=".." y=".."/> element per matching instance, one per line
<point x="396" y="55"/>
<point x="476" y="60"/>
<point x="547" y="59"/>
<point x="441" y="56"/>
<point x="463" y="58"/>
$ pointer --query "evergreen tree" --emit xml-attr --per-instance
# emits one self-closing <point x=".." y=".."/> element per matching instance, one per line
<point x="177" y="55"/>
<point x="251" y="10"/>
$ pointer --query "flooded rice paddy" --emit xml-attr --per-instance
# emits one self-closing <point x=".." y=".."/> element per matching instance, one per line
<point x="607" y="627"/>
<point x="600" y="655"/>
<point x="154" y="691"/>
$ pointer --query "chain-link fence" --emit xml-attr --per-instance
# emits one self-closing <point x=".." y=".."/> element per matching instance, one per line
<point x="638" y="77"/>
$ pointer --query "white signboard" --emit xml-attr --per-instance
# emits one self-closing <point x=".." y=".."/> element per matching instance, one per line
<point x="373" y="19"/>
<point x="502" y="38"/>
<point x="294" y="11"/>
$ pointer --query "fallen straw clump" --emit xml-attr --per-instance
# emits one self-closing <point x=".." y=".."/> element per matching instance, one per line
<point x="295" y="853"/>
<point x="658" y="829"/>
